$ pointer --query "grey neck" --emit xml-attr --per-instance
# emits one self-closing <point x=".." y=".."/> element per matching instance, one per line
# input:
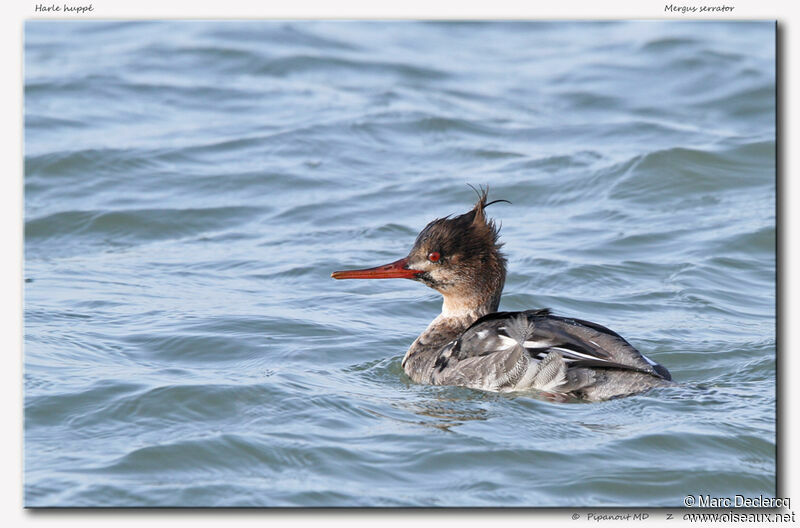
<point x="448" y="326"/>
<point x="458" y="313"/>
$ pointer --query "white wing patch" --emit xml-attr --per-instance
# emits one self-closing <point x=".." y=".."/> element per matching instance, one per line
<point x="652" y="363"/>
<point x="537" y="344"/>
<point x="579" y="355"/>
<point x="507" y="342"/>
<point x="539" y="349"/>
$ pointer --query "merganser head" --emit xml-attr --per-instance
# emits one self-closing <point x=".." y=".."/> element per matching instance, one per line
<point x="459" y="257"/>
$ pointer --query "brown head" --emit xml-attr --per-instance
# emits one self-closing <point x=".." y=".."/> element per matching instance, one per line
<point x="459" y="257"/>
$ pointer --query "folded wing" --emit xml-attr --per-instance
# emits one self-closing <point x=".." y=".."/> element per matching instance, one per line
<point x="535" y="349"/>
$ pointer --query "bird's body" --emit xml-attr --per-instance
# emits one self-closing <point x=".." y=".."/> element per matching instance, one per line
<point x="515" y="351"/>
<point x="470" y="344"/>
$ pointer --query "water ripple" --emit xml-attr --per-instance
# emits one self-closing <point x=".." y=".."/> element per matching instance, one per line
<point x="189" y="190"/>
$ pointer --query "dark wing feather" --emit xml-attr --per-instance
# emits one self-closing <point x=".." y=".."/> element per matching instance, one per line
<point x="580" y="343"/>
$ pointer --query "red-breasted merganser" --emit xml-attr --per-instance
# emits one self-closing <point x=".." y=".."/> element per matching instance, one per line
<point x="470" y="344"/>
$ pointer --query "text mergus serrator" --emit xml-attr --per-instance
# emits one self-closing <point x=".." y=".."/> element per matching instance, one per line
<point x="470" y="344"/>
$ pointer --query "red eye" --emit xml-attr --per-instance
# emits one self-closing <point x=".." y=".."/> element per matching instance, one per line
<point x="434" y="256"/>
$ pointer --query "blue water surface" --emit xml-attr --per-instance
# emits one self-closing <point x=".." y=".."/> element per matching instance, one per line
<point x="189" y="187"/>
